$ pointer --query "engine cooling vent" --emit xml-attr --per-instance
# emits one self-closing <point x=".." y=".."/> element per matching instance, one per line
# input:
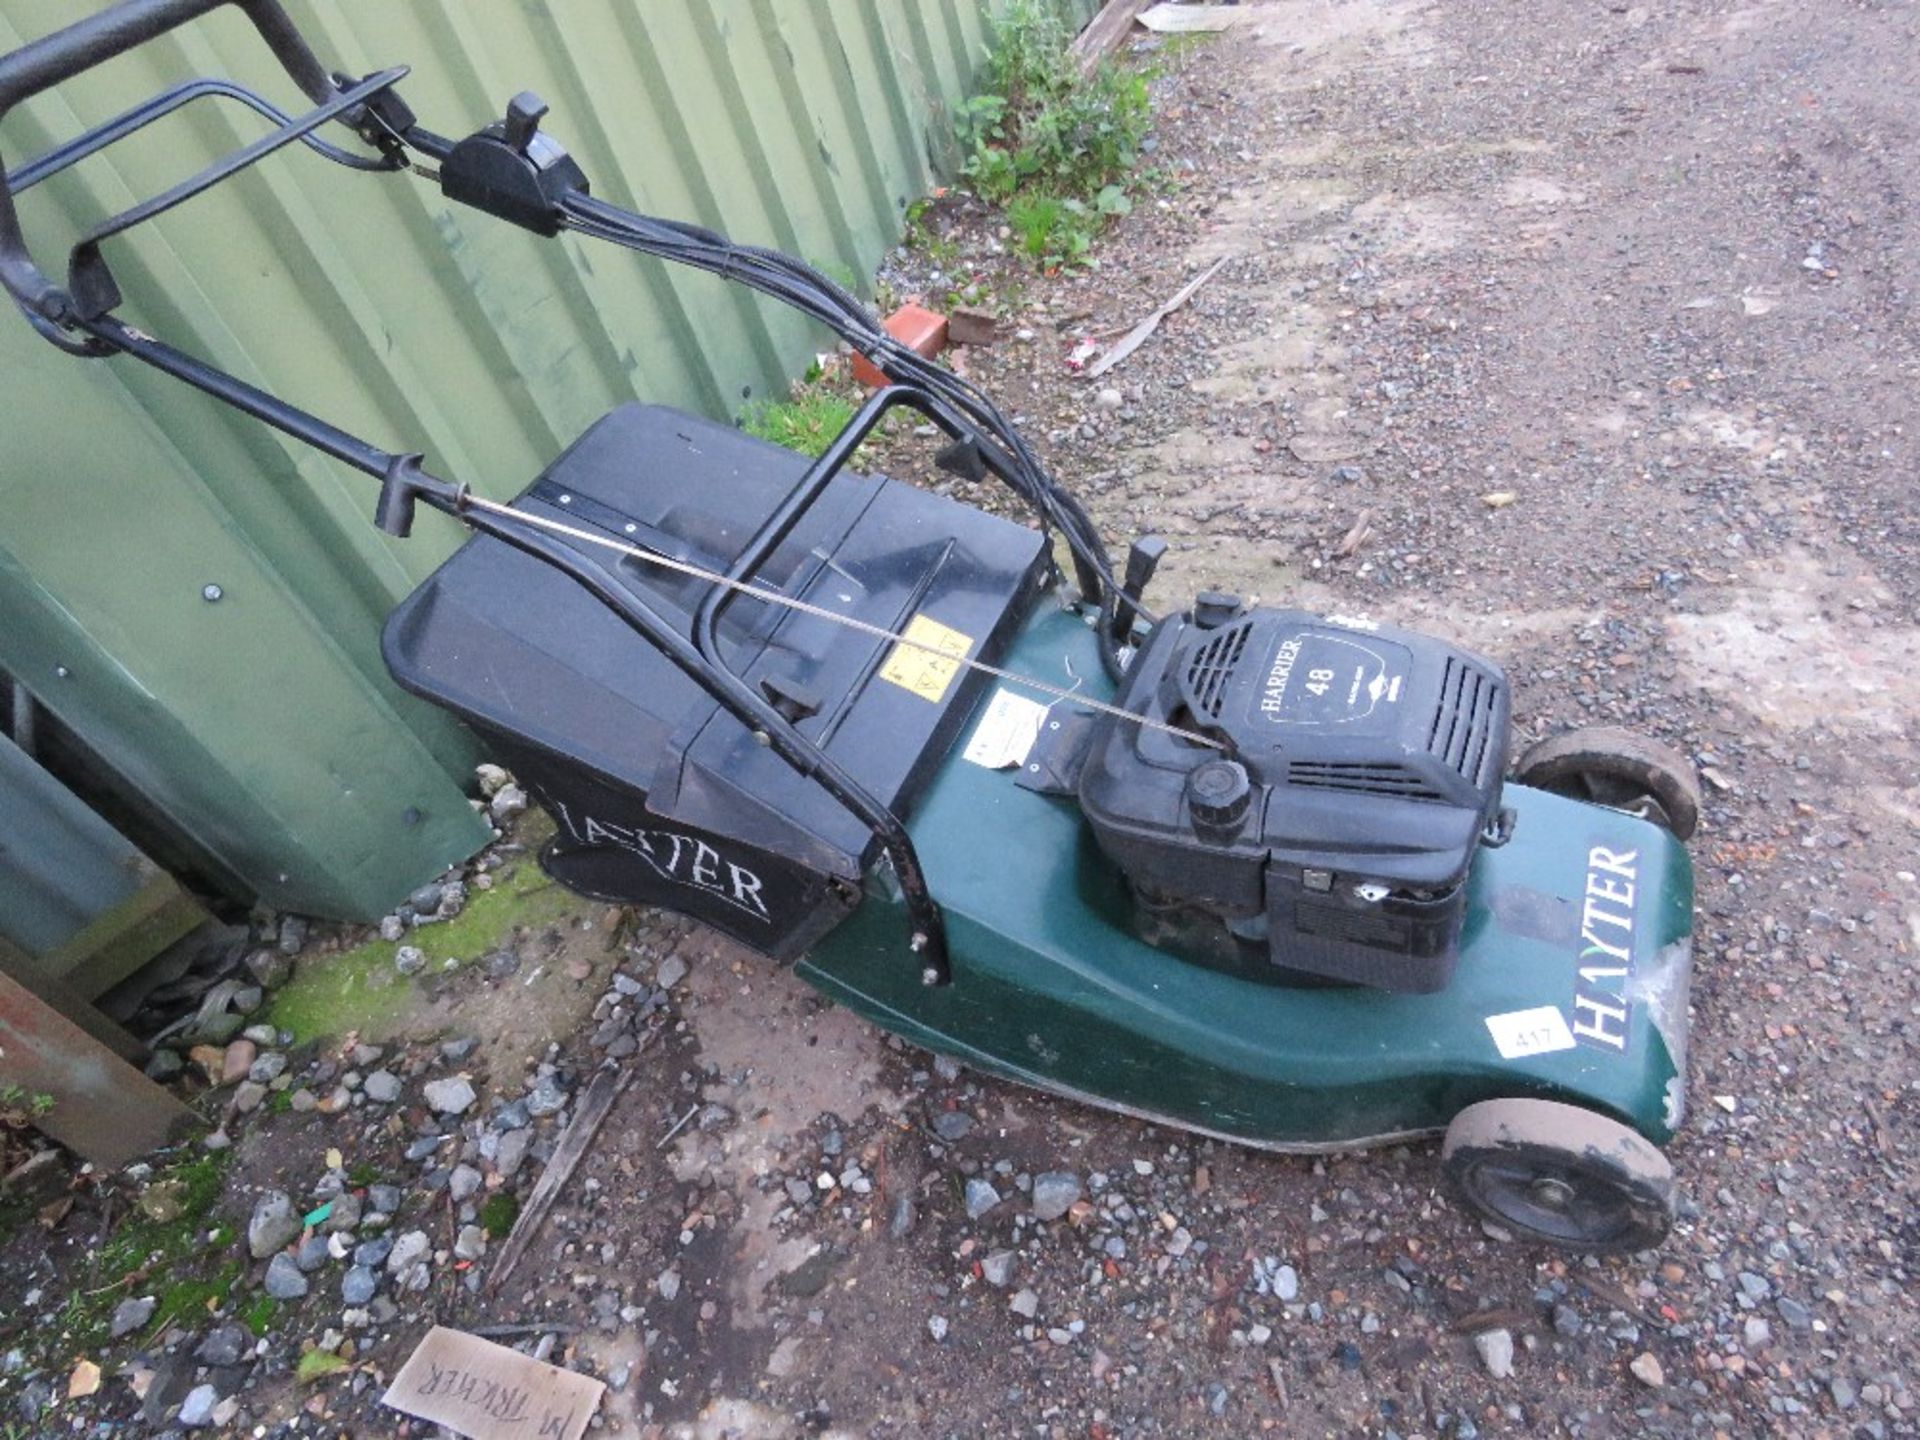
<point x="1463" y="723"/>
<point x="1357" y="777"/>
<point x="1211" y="666"/>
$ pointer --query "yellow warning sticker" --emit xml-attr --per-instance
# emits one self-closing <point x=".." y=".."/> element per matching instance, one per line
<point x="924" y="672"/>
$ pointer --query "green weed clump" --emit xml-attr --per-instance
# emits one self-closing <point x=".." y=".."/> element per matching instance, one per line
<point x="1058" y="149"/>
<point x="20" y="1110"/>
<point x="20" y="1107"/>
<point x="807" y="423"/>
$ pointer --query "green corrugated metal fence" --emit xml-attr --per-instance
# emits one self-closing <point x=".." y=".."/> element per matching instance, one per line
<point x="260" y="722"/>
<point x="60" y="865"/>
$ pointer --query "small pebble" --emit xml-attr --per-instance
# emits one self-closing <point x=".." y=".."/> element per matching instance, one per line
<point x="1496" y="1352"/>
<point x="981" y="1197"/>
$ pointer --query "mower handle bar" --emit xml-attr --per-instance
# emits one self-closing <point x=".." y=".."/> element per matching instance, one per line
<point x="41" y="64"/>
<point x="83" y="326"/>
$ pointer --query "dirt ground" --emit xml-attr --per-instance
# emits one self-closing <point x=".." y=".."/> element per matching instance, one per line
<point x="1580" y="332"/>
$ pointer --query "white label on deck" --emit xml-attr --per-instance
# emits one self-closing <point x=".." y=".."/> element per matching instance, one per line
<point x="1006" y="732"/>
<point x="1520" y="1033"/>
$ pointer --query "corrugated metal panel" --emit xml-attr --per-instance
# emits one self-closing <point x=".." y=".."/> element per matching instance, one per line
<point x="80" y="906"/>
<point x="263" y="723"/>
<point x="60" y="864"/>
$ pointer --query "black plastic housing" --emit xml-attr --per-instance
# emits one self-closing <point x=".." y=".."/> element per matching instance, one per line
<point x="511" y="170"/>
<point x="1373" y="757"/>
<point x="660" y="796"/>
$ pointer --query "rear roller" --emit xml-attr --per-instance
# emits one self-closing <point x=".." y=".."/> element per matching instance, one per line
<point x="1562" y="1174"/>
<point x="1605" y="765"/>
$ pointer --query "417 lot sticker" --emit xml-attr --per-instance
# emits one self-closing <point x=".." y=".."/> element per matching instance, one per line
<point x="1520" y="1033"/>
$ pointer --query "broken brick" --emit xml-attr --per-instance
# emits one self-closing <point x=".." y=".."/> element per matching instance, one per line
<point x="972" y="325"/>
<point x="921" y="330"/>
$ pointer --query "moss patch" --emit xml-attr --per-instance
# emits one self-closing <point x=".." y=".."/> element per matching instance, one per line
<point x="193" y="1298"/>
<point x="360" y="990"/>
<point x="498" y="1214"/>
<point x="186" y="1276"/>
<point x="260" y="1315"/>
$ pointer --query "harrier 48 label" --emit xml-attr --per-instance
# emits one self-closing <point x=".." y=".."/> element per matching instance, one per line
<point x="1315" y="677"/>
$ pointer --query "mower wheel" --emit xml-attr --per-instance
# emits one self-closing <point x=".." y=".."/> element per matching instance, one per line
<point x="1562" y="1174"/>
<point x="1605" y="765"/>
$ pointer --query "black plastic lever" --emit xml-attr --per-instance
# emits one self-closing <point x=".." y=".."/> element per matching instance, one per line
<point x="524" y="114"/>
<point x="1143" y="558"/>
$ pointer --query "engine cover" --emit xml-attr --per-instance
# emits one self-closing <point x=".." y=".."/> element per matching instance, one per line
<point x="1360" y="767"/>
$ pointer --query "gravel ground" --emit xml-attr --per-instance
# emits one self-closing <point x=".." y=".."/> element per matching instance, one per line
<point x="1579" y="332"/>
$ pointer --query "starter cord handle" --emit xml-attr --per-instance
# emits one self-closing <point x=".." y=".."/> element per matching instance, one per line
<point x="41" y="64"/>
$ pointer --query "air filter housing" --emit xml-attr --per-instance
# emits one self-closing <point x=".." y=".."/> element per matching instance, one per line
<point x="1357" y="768"/>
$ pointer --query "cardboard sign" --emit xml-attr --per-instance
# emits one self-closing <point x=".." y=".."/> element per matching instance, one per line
<point x="489" y="1392"/>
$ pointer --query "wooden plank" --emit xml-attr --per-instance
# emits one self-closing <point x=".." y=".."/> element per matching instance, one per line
<point x="103" y="1109"/>
<point x="119" y="941"/>
<point x="20" y="966"/>
<point x="1105" y="33"/>
<point x="601" y="1093"/>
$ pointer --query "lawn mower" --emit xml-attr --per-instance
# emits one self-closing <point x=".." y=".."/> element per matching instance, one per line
<point x="1256" y="873"/>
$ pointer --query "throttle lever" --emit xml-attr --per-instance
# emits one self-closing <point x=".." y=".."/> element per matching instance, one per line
<point x="524" y="114"/>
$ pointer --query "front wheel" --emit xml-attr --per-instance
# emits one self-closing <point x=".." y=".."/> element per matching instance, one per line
<point x="1605" y="765"/>
<point x="1562" y="1174"/>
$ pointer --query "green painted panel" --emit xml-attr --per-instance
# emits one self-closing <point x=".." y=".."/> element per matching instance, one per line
<point x="245" y="718"/>
<point x="263" y="725"/>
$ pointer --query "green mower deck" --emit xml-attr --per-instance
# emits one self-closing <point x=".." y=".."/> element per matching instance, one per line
<point x="1571" y="986"/>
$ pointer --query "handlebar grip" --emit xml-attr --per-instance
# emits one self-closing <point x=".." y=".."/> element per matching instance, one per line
<point x="41" y="64"/>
